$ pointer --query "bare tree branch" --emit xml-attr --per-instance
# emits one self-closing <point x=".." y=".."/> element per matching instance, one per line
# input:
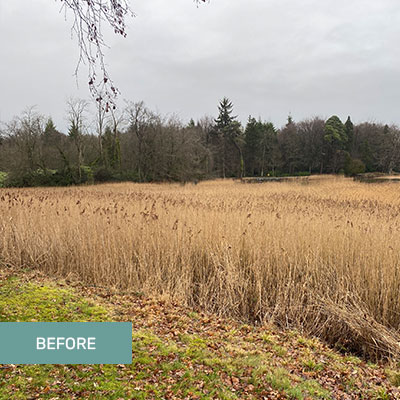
<point x="89" y="16"/>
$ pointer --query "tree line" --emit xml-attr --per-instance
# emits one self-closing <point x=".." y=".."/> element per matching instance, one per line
<point x="138" y="144"/>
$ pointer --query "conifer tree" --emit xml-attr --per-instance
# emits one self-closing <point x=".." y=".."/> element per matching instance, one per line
<point x="229" y="140"/>
<point x="335" y="139"/>
<point x="349" y="128"/>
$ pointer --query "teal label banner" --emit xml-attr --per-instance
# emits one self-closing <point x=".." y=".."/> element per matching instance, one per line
<point x="65" y="342"/>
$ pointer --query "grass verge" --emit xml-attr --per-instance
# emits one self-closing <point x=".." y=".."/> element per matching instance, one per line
<point x="179" y="353"/>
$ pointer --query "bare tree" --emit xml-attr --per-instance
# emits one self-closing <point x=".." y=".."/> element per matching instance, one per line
<point x="116" y="119"/>
<point x="100" y="122"/>
<point x="138" y="116"/>
<point x="25" y="132"/>
<point x="77" y="109"/>
<point x="206" y="126"/>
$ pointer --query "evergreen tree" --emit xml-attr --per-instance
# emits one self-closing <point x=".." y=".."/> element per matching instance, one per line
<point x="76" y="136"/>
<point x="252" y="135"/>
<point x="335" y="132"/>
<point x="50" y="127"/>
<point x="335" y="141"/>
<point x="76" y="113"/>
<point x="51" y="155"/>
<point x="349" y="128"/>
<point x="108" y="148"/>
<point x="261" y="140"/>
<point x="228" y="139"/>
<point x="291" y="146"/>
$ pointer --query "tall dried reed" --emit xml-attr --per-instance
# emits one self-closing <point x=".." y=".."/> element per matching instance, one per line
<point x="322" y="256"/>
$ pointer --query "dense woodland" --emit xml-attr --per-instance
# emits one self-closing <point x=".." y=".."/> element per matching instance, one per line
<point x="138" y="144"/>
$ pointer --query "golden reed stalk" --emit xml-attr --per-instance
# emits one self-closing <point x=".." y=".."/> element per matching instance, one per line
<point x="321" y="255"/>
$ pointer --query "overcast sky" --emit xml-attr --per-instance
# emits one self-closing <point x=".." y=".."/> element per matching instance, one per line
<point x="270" y="57"/>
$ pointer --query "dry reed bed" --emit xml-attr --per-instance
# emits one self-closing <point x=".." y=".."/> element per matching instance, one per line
<point x="323" y="257"/>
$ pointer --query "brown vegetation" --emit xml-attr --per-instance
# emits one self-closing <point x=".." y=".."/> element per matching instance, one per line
<point x="321" y="255"/>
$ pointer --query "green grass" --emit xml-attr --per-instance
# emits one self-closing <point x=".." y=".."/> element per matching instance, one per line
<point x="25" y="301"/>
<point x="170" y="359"/>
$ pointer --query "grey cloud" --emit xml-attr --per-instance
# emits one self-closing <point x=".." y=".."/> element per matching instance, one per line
<point x="271" y="57"/>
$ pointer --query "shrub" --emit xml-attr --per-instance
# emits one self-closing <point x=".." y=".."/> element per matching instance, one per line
<point x="42" y="177"/>
<point x="103" y="175"/>
<point x="354" y="167"/>
<point x="86" y="174"/>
